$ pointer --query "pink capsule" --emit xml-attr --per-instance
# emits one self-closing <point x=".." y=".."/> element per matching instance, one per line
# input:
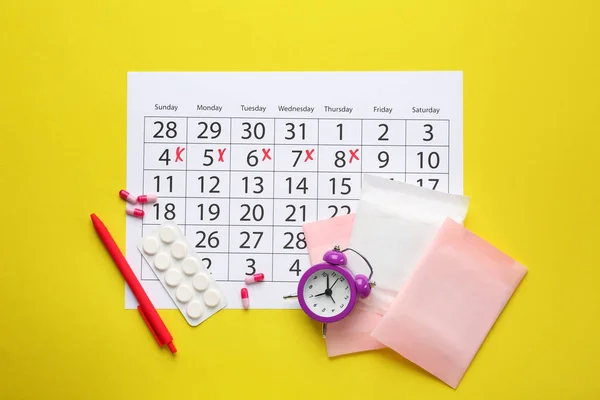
<point x="125" y="195"/>
<point x="147" y="198"/>
<point x="136" y="212"/>
<point x="255" y="278"/>
<point x="245" y="299"/>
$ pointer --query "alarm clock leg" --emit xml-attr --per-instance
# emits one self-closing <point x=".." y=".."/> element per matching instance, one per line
<point x="324" y="330"/>
<point x="290" y="296"/>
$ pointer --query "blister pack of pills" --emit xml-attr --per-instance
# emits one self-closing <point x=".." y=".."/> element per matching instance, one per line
<point x="182" y="273"/>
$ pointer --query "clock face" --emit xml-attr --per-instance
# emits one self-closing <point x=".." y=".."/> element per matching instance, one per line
<point x="328" y="293"/>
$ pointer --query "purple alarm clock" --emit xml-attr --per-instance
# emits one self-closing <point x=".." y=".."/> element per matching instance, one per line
<point x="327" y="292"/>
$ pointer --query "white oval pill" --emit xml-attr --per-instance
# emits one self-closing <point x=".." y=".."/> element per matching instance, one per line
<point x="179" y="250"/>
<point x="162" y="261"/>
<point x="212" y="297"/>
<point x="173" y="277"/>
<point x="190" y="266"/>
<point x="201" y="282"/>
<point x="194" y="309"/>
<point x="167" y="234"/>
<point x="150" y="245"/>
<point x="184" y="293"/>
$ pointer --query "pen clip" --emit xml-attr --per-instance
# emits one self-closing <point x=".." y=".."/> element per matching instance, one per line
<point x="149" y="326"/>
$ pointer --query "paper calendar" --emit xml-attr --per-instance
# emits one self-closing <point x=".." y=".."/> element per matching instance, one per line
<point x="241" y="161"/>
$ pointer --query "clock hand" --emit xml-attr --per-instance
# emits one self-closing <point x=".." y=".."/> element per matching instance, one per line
<point x="334" y="283"/>
<point x="327" y="281"/>
<point x="331" y="297"/>
<point x="320" y="294"/>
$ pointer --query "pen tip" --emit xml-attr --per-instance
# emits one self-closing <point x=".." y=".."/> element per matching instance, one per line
<point x="172" y="347"/>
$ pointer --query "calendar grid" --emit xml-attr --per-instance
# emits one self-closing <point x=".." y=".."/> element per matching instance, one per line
<point x="143" y="191"/>
<point x="405" y="150"/>
<point x="224" y="252"/>
<point x="273" y="208"/>
<point x="361" y="151"/>
<point x="299" y="118"/>
<point x="318" y="158"/>
<point x="291" y="171"/>
<point x="229" y="204"/>
<point x="316" y="188"/>
<point x="449" y="153"/>
<point x="186" y="175"/>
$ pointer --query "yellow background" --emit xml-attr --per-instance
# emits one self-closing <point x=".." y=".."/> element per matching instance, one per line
<point x="531" y="167"/>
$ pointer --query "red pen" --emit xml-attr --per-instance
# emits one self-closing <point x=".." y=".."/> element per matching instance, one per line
<point x="149" y="313"/>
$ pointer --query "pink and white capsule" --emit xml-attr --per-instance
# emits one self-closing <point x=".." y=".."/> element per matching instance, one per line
<point x="255" y="278"/>
<point x="136" y="212"/>
<point x="125" y="195"/>
<point x="147" y="198"/>
<point x="245" y="299"/>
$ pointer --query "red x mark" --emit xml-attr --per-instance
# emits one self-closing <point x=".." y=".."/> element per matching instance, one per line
<point x="309" y="154"/>
<point x="178" y="152"/>
<point x="266" y="155"/>
<point x="221" y="154"/>
<point x="353" y="155"/>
